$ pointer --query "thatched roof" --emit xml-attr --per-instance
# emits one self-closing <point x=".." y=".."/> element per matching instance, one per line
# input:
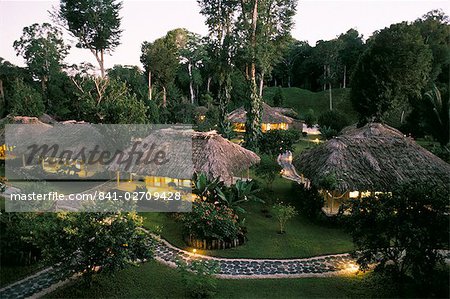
<point x="33" y="128"/>
<point x="289" y="112"/>
<point x="47" y="119"/>
<point x="72" y="137"/>
<point x="270" y="115"/>
<point x="375" y="157"/>
<point x="194" y="152"/>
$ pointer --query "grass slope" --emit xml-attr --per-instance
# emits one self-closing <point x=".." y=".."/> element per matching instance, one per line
<point x="301" y="100"/>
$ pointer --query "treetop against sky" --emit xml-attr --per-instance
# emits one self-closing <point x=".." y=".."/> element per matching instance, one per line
<point x="150" y="19"/>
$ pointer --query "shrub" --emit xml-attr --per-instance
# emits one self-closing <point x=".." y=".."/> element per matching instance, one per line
<point x="275" y="142"/>
<point x="211" y="221"/>
<point x="17" y="242"/>
<point x="310" y="202"/>
<point x="284" y="212"/>
<point x="278" y="97"/>
<point x="310" y="118"/>
<point x="268" y="169"/>
<point x="25" y="100"/>
<point x="90" y="242"/>
<point x="332" y="120"/>
<point x="198" y="277"/>
<point x="414" y="218"/>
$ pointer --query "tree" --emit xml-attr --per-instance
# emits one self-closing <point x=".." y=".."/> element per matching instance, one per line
<point x="264" y="26"/>
<point x="327" y="54"/>
<point x="221" y="22"/>
<point x="268" y="169"/>
<point x="43" y="48"/>
<point x="434" y="27"/>
<point x="161" y="60"/>
<point x="393" y="69"/>
<point x="25" y="100"/>
<point x="9" y="73"/>
<point x="284" y="212"/>
<point x="294" y="52"/>
<point x="90" y="243"/>
<point x="192" y="54"/>
<point x="95" y="23"/>
<point x="351" y="47"/>
<point x="278" y="98"/>
<point x="332" y="120"/>
<point x="108" y="101"/>
<point x="275" y="142"/>
<point x="133" y="77"/>
<point x="436" y="114"/>
<point x="402" y="231"/>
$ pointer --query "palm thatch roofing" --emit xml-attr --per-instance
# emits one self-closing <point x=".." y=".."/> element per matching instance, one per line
<point x="375" y="157"/>
<point x="192" y="152"/>
<point x="47" y="119"/>
<point x="73" y="137"/>
<point x="270" y="115"/>
<point x="287" y="111"/>
<point x="33" y="127"/>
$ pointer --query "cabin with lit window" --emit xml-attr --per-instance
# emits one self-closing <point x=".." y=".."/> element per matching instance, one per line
<point x="188" y="153"/>
<point x="83" y="138"/>
<point x="366" y="161"/>
<point x="271" y="118"/>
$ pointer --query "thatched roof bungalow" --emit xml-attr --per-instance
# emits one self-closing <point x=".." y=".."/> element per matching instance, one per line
<point x="32" y="127"/>
<point x="65" y="148"/>
<point x="374" y="158"/>
<point x="272" y="119"/>
<point x="190" y="152"/>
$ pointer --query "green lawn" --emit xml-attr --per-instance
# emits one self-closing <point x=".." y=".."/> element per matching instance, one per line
<point x="301" y="100"/>
<point x="153" y="280"/>
<point x="303" y="238"/>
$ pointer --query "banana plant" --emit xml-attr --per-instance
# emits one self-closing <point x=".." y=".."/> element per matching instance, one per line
<point x="207" y="190"/>
<point x="239" y="193"/>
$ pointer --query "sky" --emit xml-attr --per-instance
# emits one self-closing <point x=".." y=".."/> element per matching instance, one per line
<point x="146" y="20"/>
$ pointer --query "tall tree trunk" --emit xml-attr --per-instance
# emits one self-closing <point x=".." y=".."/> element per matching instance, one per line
<point x="2" y="92"/>
<point x="345" y="76"/>
<point x="261" y="84"/>
<point x="150" y="85"/>
<point x="2" y="100"/>
<point x="191" y="86"/>
<point x="331" y="97"/>
<point x="102" y="64"/>
<point x="289" y="80"/>
<point x="208" y="84"/>
<point x="164" y="97"/>
<point x="253" y="125"/>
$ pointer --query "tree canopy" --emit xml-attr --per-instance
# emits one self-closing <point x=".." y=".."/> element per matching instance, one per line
<point x="95" y="24"/>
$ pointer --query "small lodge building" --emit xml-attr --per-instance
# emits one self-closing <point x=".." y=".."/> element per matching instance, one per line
<point x="369" y="160"/>
<point x="272" y="119"/>
<point x="202" y="152"/>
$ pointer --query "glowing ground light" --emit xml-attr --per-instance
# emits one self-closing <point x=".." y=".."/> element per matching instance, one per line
<point x="351" y="268"/>
<point x="194" y="251"/>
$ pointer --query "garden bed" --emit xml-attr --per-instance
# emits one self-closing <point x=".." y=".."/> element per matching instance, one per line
<point x="213" y="244"/>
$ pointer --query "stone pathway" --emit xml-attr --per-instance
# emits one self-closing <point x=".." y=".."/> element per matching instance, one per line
<point x="49" y="279"/>
<point x="39" y="283"/>
<point x="262" y="268"/>
<point x="288" y="170"/>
